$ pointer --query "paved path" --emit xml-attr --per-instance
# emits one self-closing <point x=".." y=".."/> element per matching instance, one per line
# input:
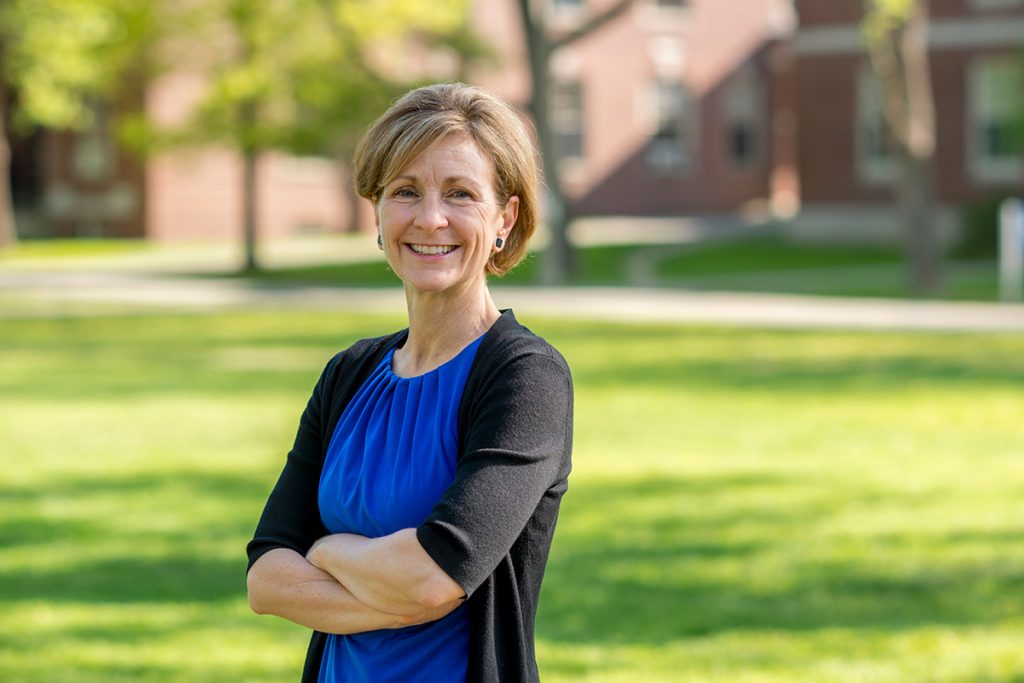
<point x="68" y="292"/>
<point x="154" y="279"/>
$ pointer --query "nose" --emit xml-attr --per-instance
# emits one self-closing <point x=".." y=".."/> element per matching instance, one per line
<point x="431" y="214"/>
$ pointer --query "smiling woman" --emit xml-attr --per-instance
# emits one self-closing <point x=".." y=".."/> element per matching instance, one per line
<point x="411" y="525"/>
<point x="440" y="219"/>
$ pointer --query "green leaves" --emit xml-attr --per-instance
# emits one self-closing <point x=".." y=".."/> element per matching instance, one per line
<point x="60" y="55"/>
<point x="306" y="75"/>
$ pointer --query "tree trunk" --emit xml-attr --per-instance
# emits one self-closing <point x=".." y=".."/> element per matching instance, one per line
<point x="917" y="192"/>
<point x="250" y="163"/>
<point x="924" y="274"/>
<point x="899" y="55"/>
<point x="559" y="262"/>
<point x="346" y="172"/>
<point x="8" y="230"/>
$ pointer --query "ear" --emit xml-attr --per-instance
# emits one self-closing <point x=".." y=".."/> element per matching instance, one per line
<point x="509" y="216"/>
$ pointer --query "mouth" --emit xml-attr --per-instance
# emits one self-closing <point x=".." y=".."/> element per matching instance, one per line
<point x="433" y="249"/>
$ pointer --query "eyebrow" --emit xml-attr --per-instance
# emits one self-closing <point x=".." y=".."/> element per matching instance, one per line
<point x="455" y="179"/>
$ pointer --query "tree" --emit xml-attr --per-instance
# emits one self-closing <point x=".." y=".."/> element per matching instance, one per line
<point x="541" y="44"/>
<point x="301" y="75"/>
<point x="895" y="35"/>
<point x="57" y="57"/>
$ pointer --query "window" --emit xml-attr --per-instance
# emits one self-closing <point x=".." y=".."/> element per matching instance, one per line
<point x="994" y="89"/>
<point x="877" y="151"/>
<point x="567" y="119"/>
<point x="743" y="113"/>
<point x="670" y="110"/>
<point x="659" y="15"/>
<point x="565" y="14"/>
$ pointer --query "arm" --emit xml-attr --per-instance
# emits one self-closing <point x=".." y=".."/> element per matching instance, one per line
<point x="283" y="583"/>
<point x="393" y="573"/>
<point x="280" y="580"/>
<point x="516" y="451"/>
<point x="512" y="473"/>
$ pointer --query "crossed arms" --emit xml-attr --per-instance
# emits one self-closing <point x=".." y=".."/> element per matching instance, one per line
<point x="350" y="584"/>
<point x="515" y="450"/>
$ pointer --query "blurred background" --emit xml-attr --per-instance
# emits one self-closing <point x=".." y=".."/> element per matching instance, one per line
<point x="890" y="129"/>
<point x="771" y="255"/>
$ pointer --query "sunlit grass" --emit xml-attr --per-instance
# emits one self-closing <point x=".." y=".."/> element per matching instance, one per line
<point x="761" y="264"/>
<point x="73" y="248"/>
<point x="746" y="505"/>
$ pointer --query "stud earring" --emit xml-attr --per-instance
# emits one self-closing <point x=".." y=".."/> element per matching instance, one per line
<point x="499" y="243"/>
<point x="380" y="241"/>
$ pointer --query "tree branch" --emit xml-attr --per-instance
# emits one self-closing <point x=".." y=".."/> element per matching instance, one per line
<point x="592" y="24"/>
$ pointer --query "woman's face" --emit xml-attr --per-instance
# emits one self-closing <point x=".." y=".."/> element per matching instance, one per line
<point x="439" y="217"/>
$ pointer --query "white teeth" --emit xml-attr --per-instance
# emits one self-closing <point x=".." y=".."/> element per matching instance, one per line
<point x="431" y="249"/>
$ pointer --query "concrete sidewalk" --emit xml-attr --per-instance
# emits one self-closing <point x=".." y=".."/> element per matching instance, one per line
<point x="189" y="277"/>
<point x="37" y="292"/>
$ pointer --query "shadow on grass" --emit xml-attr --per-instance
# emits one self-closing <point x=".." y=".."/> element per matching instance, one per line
<point x="650" y="562"/>
<point x="784" y="360"/>
<point x="109" y="360"/>
<point x="182" y="561"/>
<point x="128" y="579"/>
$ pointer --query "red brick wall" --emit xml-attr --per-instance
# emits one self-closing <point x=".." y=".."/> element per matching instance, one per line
<point x="826" y="106"/>
<point x="196" y="194"/>
<point x="615" y="68"/>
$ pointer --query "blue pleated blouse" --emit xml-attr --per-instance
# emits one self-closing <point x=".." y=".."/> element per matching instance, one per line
<point x="392" y="455"/>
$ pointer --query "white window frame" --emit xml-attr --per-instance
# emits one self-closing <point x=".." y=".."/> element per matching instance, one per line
<point x="743" y="102"/>
<point x="981" y="107"/>
<point x="663" y="156"/>
<point x="569" y="120"/>
<point x="873" y="169"/>
<point x="651" y="15"/>
<point x="565" y="16"/>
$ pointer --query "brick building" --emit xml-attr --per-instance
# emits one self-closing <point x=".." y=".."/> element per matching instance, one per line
<point x="845" y="159"/>
<point x="676" y="107"/>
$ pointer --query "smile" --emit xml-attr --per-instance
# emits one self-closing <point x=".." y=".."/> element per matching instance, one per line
<point x="432" y="249"/>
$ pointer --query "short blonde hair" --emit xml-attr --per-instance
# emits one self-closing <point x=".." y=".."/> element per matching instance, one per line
<point x="423" y="116"/>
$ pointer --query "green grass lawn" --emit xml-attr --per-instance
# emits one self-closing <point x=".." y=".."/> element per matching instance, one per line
<point x="746" y="505"/>
<point x="74" y="248"/>
<point x="760" y="264"/>
<point x="769" y="264"/>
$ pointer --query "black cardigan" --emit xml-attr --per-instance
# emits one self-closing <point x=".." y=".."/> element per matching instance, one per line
<point x="492" y="529"/>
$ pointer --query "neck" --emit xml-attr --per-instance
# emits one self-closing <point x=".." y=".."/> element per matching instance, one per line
<point x="441" y="325"/>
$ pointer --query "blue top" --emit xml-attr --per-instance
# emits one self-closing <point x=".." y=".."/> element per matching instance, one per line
<point x="392" y="455"/>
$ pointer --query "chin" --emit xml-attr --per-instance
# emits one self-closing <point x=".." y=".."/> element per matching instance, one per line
<point x="440" y="284"/>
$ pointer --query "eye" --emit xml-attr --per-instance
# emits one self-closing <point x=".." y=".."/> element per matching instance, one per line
<point x="404" y="192"/>
<point x="460" y="194"/>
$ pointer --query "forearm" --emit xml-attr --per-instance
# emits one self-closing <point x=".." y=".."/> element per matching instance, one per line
<point x="285" y="584"/>
<point x="392" y="574"/>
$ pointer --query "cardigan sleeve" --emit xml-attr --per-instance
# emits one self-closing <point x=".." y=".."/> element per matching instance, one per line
<point x="291" y="517"/>
<point x="517" y="448"/>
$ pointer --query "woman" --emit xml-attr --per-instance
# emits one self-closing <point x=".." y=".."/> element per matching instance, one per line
<point x="411" y="524"/>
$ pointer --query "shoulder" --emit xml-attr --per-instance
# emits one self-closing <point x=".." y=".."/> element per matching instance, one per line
<point x="510" y="347"/>
<point x="509" y="340"/>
